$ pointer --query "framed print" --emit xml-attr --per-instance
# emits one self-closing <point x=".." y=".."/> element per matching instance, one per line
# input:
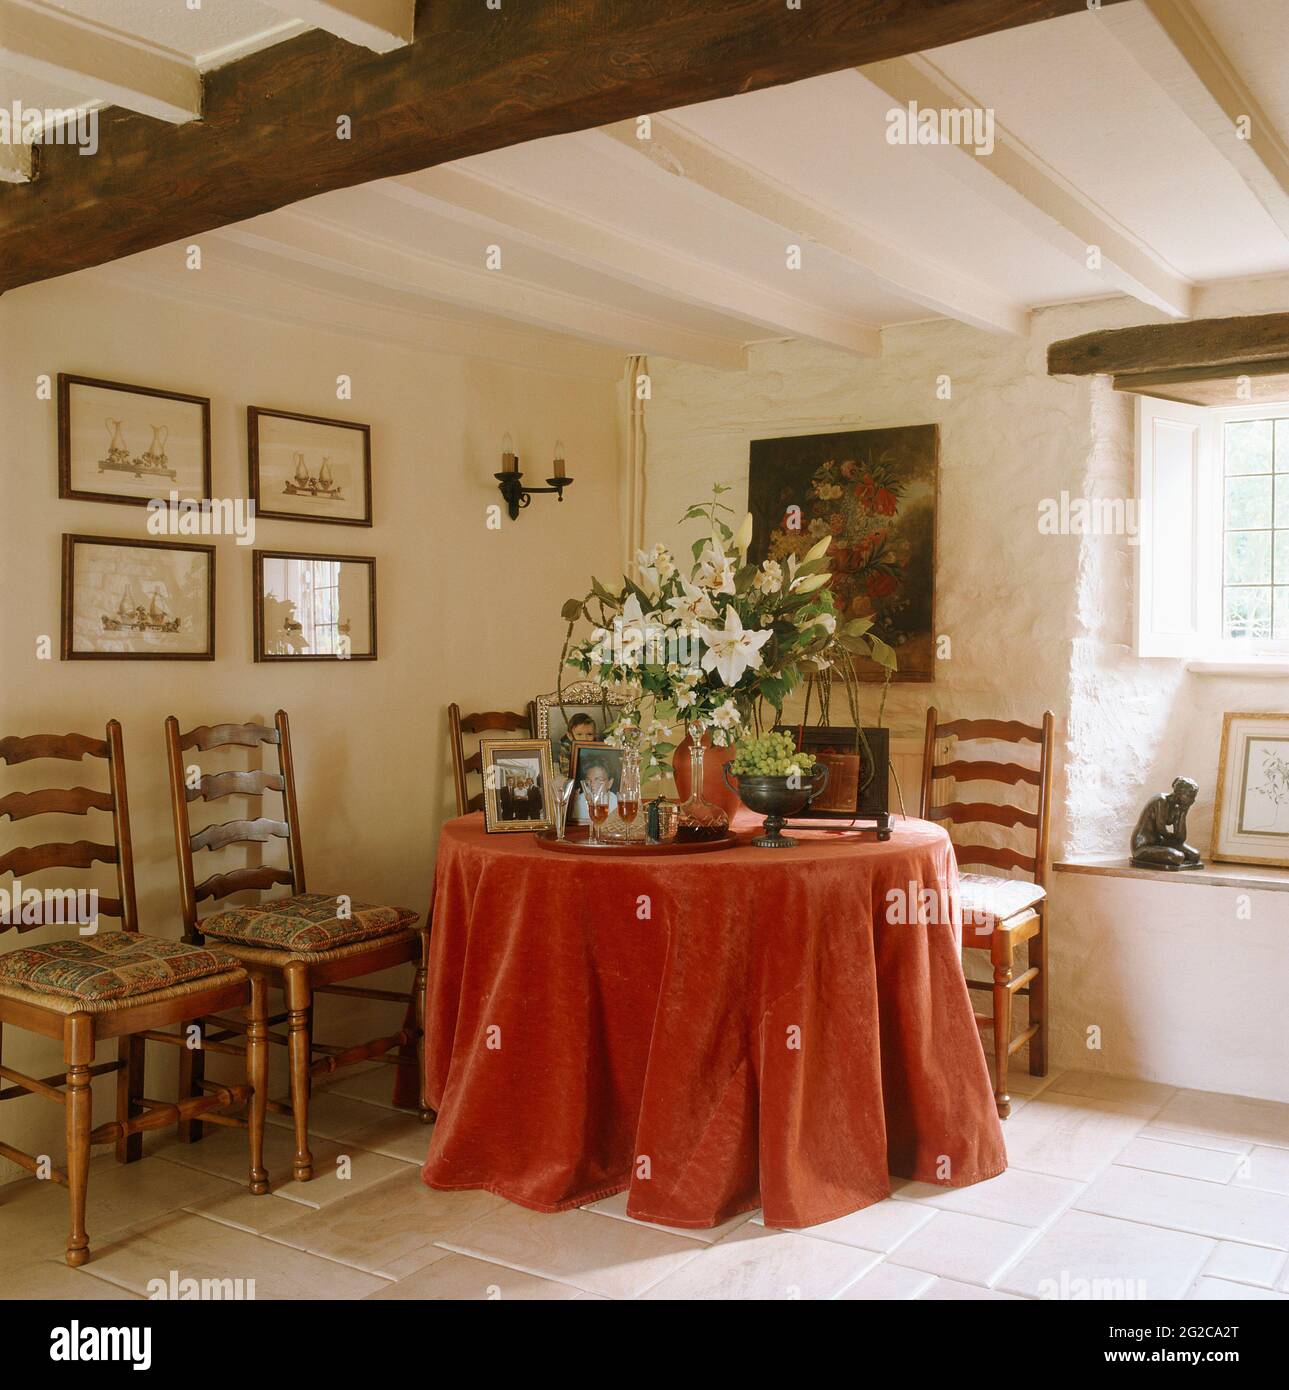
<point x="518" y="793"/>
<point x="129" y="444"/>
<point x="1251" y="808"/>
<point x="858" y="780"/>
<point x="313" y="607"/>
<point x="875" y="493"/>
<point x="587" y="712"/>
<point x="137" y="600"/>
<point x="592" y="762"/>
<point x="305" y="468"/>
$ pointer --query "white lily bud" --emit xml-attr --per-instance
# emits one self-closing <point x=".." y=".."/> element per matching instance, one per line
<point x="819" y="548"/>
<point x="744" y="536"/>
<point x="810" y="583"/>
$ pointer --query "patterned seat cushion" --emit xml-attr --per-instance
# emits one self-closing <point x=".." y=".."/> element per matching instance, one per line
<point x="988" y="900"/>
<point x="115" y="965"/>
<point x="305" y="922"/>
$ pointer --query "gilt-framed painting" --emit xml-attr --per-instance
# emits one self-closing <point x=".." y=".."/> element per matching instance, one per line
<point x="130" y="444"/>
<point x="584" y="714"/>
<point x="307" y="468"/>
<point x="309" y="607"/>
<point x="1251" y="807"/>
<point x="132" y="600"/>
<point x="875" y="493"/>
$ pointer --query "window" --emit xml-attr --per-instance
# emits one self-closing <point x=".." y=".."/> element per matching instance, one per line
<point x="1213" y="558"/>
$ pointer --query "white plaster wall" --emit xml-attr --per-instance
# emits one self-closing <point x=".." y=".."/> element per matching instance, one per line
<point x="1035" y="622"/>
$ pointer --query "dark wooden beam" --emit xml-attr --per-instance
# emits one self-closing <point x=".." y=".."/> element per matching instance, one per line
<point x="1213" y="345"/>
<point x="475" y="79"/>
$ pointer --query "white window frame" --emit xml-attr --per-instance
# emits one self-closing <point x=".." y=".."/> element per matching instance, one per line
<point x="1180" y="485"/>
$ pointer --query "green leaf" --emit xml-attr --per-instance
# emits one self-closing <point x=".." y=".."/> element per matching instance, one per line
<point x="857" y="627"/>
<point x="603" y="594"/>
<point x="812" y="567"/>
<point x="882" y="654"/>
<point x="572" y="610"/>
<point x="699" y="546"/>
<point x="743" y="579"/>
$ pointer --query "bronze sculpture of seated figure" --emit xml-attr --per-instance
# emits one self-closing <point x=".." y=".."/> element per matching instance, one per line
<point x="1159" y="837"/>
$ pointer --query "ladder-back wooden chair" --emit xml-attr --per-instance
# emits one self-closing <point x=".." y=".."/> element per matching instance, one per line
<point x="91" y="986"/>
<point x="1000" y="913"/>
<point x="304" y="943"/>
<point x="459" y="724"/>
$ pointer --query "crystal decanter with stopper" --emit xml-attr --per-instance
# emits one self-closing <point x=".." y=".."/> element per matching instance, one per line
<point x="700" y="819"/>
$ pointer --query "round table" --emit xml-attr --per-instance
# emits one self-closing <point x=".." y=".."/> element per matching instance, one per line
<point x="710" y="1033"/>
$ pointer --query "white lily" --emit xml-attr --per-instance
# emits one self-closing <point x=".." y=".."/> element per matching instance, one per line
<point x="715" y="570"/>
<point x="692" y="604"/>
<point x="733" y="648"/>
<point x="726" y="716"/>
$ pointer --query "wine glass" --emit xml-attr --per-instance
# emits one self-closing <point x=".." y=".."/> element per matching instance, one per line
<point x="596" y="791"/>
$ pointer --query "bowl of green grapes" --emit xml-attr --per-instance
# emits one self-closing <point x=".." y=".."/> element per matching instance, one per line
<point x="773" y="779"/>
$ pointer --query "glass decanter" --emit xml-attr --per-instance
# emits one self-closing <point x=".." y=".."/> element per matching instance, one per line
<point x="700" y="819"/>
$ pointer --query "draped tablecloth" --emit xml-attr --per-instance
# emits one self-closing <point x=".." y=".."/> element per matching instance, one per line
<point x="709" y="1032"/>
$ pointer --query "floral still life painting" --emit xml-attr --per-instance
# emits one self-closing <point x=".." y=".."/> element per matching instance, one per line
<point x="873" y="492"/>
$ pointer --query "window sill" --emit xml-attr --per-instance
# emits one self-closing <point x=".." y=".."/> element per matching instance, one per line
<point x="1213" y="875"/>
<point x="1275" y="667"/>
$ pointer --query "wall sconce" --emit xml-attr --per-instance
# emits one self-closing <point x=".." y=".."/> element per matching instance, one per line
<point x="509" y="479"/>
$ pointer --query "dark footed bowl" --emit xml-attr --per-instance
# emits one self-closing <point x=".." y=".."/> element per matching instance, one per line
<point x="777" y="798"/>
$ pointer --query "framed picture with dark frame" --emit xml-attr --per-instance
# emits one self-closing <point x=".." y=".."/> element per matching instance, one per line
<point x="135" y="600"/>
<point x="588" y="761"/>
<point x="858" y="783"/>
<point x="308" y="468"/>
<point x="130" y="444"/>
<point x="518" y="787"/>
<point x="310" y="607"/>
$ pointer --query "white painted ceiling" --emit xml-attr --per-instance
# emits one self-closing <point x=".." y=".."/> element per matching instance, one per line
<point x="678" y="245"/>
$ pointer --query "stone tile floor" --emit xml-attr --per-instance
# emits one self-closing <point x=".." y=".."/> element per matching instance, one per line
<point x="1116" y="1188"/>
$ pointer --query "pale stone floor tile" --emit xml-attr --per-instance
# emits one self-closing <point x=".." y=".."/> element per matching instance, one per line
<point x="1245" y="1264"/>
<point x="616" y="1207"/>
<point x="388" y="1229"/>
<point x="1225" y="1290"/>
<point x="759" y="1264"/>
<point x="1182" y="1160"/>
<point x="1068" y="1136"/>
<point x="397" y="1133"/>
<point x="971" y="1249"/>
<point x="1238" y="1214"/>
<point x="883" y="1226"/>
<point x="193" y="1248"/>
<point x="54" y="1279"/>
<point x="459" y="1277"/>
<point x="1227" y="1117"/>
<point x="1096" y="1085"/>
<point x="1195" y="1141"/>
<point x="618" y="1259"/>
<point x="34" y="1215"/>
<point x="1264" y="1168"/>
<point x="237" y="1207"/>
<point x="1087" y="1256"/>
<point x="1025" y="1199"/>
<point x="952" y="1290"/>
<point x="887" y="1282"/>
<point x="375" y="1086"/>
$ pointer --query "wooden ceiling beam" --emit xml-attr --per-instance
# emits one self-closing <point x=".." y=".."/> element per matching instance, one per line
<point x="1173" y="347"/>
<point x="474" y="79"/>
<point x="381" y="25"/>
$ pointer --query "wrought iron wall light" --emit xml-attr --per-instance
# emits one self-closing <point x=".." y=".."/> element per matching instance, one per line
<point x="510" y="479"/>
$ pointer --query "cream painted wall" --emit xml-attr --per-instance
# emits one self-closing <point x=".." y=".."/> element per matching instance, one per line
<point x="1038" y="622"/>
<point x="465" y="612"/>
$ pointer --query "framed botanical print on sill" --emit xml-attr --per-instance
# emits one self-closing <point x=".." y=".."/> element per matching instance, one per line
<point x="309" y="607"/>
<point x="130" y="600"/>
<point x="1251" y="806"/>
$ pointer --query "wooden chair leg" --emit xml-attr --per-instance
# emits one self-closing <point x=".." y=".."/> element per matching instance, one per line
<point x="78" y="1056"/>
<point x="1002" y="957"/>
<point x="298" y="999"/>
<point x="257" y="1076"/>
<point x="192" y="1071"/>
<point x="1036" y="957"/>
<point x="418" y="999"/>
<point x="129" y="1091"/>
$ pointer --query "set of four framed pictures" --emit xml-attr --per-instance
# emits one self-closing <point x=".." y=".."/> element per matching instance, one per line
<point x="128" y="599"/>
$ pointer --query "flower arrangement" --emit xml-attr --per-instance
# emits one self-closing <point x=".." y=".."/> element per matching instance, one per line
<point x="712" y="648"/>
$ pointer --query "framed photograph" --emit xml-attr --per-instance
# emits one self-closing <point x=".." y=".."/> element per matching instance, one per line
<point x="137" y="600"/>
<point x="129" y="444"/>
<point x="1251" y="809"/>
<point x="518" y="793"/>
<point x="875" y="493"/>
<point x="585" y="717"/>
<point x="313" y="607"/>
<point x="858" y="782"/>
<point x="305" y="468"/>
<point x="593" y="762"/>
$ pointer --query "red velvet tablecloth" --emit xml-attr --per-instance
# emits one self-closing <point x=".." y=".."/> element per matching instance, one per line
<point x="710" y="1032"/>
